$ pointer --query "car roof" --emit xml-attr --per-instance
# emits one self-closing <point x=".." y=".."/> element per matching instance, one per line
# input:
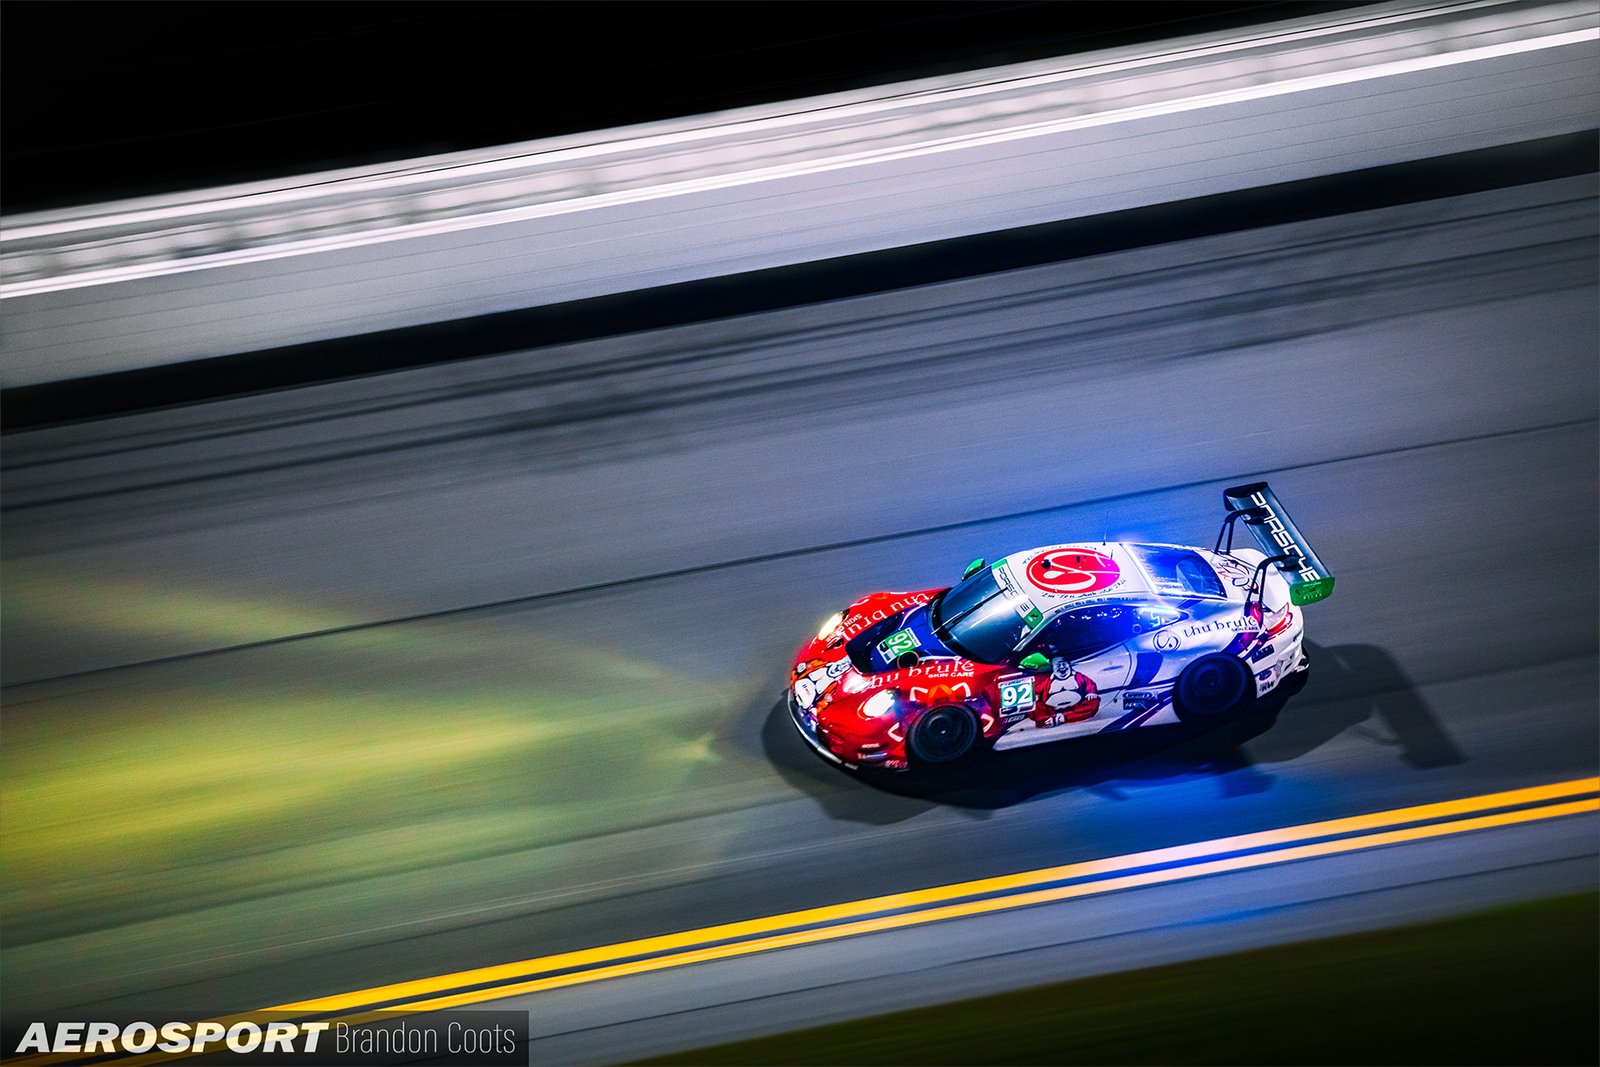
<point x="1082" y="573"/>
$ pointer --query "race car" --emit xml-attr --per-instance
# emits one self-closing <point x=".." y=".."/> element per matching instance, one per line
<point x="1062" y="641"/>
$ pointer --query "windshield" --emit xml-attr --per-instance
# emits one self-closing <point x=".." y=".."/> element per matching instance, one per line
<point x="979" y="619"/>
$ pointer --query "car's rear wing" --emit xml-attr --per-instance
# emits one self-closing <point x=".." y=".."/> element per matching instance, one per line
<point x="1309" y="580"/>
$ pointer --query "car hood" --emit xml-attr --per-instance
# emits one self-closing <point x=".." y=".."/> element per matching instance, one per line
<point x="903" y="639"/>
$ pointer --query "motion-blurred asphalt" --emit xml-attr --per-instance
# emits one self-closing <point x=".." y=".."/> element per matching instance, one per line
<point x="515" y="630"/>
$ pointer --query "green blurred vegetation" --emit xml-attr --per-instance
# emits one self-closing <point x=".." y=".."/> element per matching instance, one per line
<point x="1515" y="985"/>
<point x="230" y="807"/>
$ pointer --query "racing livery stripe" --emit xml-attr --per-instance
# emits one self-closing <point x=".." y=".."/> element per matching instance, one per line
<point x="1147" y="666"/>
<point x="1134" y="718"/>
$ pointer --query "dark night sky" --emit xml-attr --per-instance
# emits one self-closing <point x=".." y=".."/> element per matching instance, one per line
<point x="118" y="99"/>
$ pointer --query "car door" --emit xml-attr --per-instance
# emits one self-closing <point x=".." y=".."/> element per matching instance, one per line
<point x="1089" y="655"/>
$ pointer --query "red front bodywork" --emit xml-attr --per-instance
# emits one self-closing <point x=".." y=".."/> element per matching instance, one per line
<point x="827" y="694"/>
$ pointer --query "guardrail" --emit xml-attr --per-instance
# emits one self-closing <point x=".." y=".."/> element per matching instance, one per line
<point x="114" y="286"/>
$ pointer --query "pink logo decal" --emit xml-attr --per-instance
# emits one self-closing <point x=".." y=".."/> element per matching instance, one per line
<point x="1073" y="570"/>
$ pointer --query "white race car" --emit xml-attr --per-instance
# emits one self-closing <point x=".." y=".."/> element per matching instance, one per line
<point x="1060" y="641"/>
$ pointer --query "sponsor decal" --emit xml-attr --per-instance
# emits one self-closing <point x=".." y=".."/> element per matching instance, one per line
<point x="928" y="668"/>
<point x="1073" y="571"/>
<point x="816" y="678"/>
<point x="1237" y="574"/>
<point x="898" y="644"/>
<point x="957" y="693"/>
<point x="1137" y="703"/>
<point x="1166" y="641"/>
<point x="1003" y="578"/>
<point x="856" y="623"/>
<point x="1028" y="611"/>
<point x="1283" y="538"/>
<point x="1221" y="626"/>
<point x="943" y="668"/>
<point x="925" y="669"/>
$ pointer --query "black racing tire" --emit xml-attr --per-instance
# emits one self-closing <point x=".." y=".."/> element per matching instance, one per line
<point x="1214" y="688"/>
<point x="943" y="735"/>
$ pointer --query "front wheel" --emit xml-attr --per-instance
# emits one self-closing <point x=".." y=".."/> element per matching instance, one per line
<point x="1213" y="688"/>
<point x="943" y="734"/>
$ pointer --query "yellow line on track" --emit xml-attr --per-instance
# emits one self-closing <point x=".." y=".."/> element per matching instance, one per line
<point x="855" y="918"/>
<point x="938" y="895"/>
<point x="1005" y="903"/>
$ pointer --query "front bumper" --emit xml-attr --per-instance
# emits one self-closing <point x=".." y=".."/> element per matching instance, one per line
<point x="1284" y="656"/>
<point x="807" y="725"/>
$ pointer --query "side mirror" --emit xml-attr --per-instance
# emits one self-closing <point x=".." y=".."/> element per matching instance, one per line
<point x="1034" y="661"/>
<point x="974" y="567"/>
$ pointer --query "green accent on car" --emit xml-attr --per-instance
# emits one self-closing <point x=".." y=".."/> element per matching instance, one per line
<point x="974" y="567"/>
<point x="1310" y="592"/>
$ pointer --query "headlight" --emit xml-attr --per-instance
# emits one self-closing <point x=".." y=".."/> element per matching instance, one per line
<point x="879" y="704"/>
<point x="835" y="621"/>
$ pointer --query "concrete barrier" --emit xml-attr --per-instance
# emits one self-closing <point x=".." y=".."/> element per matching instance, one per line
<point x="122" y="286"/>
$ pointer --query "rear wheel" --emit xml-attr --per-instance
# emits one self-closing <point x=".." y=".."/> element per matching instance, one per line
<point x="1213" y="688"/>
<point x="943" y="734"/>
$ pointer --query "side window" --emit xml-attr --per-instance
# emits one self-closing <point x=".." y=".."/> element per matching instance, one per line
<point x="1078" y="633"/>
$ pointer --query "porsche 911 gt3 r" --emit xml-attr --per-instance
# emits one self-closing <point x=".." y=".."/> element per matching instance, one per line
<point x="1061" y="641"/>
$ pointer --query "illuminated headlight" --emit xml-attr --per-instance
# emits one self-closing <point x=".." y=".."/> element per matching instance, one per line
<point x="879" y="704"/>
<point x="835" y="621"/>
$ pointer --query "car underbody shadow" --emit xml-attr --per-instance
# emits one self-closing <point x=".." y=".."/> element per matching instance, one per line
<point x="842" y="794"/>
<point x="1000" y="779"/>
<point x="1098" y="761"/>
<point x="1349" y="687"/>
<point x="1362" y="688"/>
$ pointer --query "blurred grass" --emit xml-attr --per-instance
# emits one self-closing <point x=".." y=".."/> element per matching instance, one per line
<point x="229" y="804"/>
<point x="1514" y="985"/>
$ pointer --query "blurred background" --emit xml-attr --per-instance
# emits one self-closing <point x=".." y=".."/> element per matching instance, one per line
<point x="430" y="429"/>
<point x="183" y="96"/>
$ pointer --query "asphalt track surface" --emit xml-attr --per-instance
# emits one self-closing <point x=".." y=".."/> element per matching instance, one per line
<point x="621" y="562"/>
